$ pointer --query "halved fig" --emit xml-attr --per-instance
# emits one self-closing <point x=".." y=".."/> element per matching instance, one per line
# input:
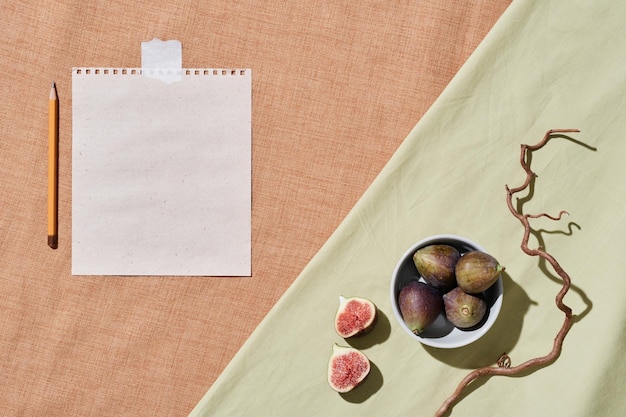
<point x="355" y="316"/>
<point x="347" y="368"/>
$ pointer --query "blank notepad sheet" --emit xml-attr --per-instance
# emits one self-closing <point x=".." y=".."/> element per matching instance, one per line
<point x="161" y="173"/>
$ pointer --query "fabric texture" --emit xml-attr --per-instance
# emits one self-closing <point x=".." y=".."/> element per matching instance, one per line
<point x="544" y="65"/>
<point x="336" y="88"/>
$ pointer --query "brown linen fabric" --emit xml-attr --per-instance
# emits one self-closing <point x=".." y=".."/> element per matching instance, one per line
<point x="336" y="87"/>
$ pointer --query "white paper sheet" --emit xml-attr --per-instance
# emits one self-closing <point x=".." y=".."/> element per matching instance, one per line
<point x="161" y="173"/>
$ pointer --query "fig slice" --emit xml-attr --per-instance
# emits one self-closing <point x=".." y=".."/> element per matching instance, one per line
<point x="347" y="368"/>
<point x="355" y="316"/>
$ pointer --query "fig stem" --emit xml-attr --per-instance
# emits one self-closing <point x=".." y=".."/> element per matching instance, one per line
<point x="503" y="366"/>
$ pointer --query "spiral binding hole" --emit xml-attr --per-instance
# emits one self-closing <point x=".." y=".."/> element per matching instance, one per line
<point x="139" y="71"/>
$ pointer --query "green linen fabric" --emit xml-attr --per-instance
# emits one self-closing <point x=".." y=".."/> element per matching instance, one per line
<point x="545" y="64"/>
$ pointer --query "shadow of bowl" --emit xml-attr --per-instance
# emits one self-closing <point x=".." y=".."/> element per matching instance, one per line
<point x="501" y="338"/>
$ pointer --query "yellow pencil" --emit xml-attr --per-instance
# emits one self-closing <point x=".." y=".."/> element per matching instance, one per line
<point x="53" y="157"/>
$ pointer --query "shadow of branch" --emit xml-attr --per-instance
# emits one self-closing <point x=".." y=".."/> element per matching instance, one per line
<point x="573" y="140"/>
<point x="538" y="234"/>
<point x="547" y="271"/>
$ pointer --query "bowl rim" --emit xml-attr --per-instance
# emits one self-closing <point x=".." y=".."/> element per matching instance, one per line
<point x="444" y="341"/>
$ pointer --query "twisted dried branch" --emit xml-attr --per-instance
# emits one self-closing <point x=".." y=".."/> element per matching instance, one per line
<point x="503" y="366"/>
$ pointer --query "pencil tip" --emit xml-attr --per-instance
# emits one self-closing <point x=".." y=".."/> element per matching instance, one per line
<point x="53" y="92"/>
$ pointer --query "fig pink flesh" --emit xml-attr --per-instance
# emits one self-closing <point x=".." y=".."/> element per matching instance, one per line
<point x="348" y="369"/>
<point x="356" y="316"/>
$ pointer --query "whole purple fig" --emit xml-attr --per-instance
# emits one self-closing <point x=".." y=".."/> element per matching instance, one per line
<point x="477" y="271"/>
<point x="464" y="310"/>
<point x="420" y="304"/>
<point x="436" y="263"/>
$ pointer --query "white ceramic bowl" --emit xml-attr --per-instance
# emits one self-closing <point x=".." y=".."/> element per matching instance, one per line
<point x="441" y="333"/>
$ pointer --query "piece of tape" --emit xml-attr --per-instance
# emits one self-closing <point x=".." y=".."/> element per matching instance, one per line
<point x="162" y="60"/>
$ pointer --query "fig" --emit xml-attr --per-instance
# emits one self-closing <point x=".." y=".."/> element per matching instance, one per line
<point x="420" y="305"/>
<point x="355" y="316"/>
<point x="477" y="271"/>
<point x="464" y="310"/>
<point x="436" y="263"/>
<point x="347" y="368"/>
